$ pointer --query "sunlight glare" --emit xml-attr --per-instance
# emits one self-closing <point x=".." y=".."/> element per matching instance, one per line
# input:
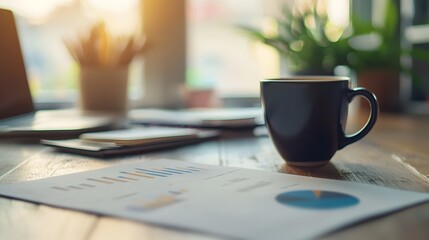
<point x="35" y="11"/>
<point x="113" y="5"/>
<point x="338" y="12"/>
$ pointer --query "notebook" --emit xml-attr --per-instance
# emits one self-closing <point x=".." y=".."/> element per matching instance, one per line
<point x="18" y="117"/>
<point x="128" y="141"/>
<point x="220" y="118"/>
<point x="139" y="136"/>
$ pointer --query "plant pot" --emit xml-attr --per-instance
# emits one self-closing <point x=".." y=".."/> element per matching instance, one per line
<point x="103" y="89"/>
<point x="385" y="84"/>
<point x="313" y="72"/>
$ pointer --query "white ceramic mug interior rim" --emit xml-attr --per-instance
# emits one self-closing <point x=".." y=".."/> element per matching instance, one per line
<point x="308" y="79"/>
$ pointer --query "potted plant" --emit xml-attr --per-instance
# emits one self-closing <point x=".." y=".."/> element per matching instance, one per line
<point x="374" y="55"/>
<point x="310" y="43"/>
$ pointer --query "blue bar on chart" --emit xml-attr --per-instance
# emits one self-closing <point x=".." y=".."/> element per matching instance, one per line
<point x="169" y="171"/>
<point x="180" y="170"/>
<point x="154" y="173"/>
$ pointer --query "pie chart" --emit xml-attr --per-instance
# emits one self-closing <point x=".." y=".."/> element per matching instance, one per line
<point x="316" y="199"/>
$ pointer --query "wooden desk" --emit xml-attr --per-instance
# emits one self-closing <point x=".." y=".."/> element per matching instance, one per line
<point x="395" y="154"/>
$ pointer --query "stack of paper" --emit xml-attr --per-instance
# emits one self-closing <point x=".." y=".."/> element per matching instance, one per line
<point x="138" y="136"/>
<point x="110" y="143"/>
<point x="223" y="118"/>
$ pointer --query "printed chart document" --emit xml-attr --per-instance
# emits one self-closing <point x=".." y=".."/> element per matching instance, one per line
<point x="224" y="201"/>
<point x="133" y="140"/>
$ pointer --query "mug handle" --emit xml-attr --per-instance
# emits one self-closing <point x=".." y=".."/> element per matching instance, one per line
<point x="372" y="99"/>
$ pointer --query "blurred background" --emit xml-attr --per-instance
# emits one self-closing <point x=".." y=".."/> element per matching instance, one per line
<point x="220" y="49"/>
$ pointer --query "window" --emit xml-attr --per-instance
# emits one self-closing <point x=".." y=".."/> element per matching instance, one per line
<point x="220" y="55"/>
<point x="223" y="57"/>
<point x="415" y="16"/>
<point x="42" y="26"/>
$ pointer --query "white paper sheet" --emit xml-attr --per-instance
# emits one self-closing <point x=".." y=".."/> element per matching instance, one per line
<point x="224" y="201"/>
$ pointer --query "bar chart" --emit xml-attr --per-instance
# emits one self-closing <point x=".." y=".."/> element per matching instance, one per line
<point x="132" y="175"/>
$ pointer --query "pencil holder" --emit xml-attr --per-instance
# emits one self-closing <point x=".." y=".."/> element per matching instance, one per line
<point x="104" y="89"/>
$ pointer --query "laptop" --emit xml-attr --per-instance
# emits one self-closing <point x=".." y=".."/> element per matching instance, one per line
<point x="18" y="117"/>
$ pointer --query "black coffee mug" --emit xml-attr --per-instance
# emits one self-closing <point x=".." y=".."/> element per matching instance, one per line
<point x="306" y="116"/>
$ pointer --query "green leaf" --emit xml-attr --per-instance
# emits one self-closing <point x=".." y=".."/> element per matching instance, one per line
<point x="420" y="54"/>
<point x="390" y="20"/>
<point x="361" y="27"/>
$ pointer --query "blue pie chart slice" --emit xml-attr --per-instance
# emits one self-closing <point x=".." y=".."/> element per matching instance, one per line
<point x="316" y="199"/>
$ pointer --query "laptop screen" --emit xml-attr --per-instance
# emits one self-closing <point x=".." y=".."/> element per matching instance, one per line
<point x="15" y="97"/>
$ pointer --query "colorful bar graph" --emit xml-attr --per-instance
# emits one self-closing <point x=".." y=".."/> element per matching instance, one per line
<point x="134" y="175"/>
<point x="153" y="173"/>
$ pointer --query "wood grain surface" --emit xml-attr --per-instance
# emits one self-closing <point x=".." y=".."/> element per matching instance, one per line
<point x="395" y="154"/>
